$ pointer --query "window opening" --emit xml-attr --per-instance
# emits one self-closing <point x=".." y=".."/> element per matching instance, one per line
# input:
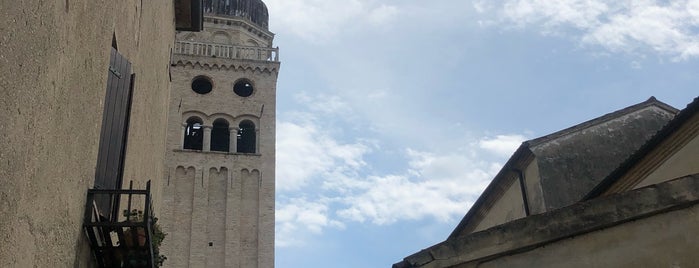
<point x="246" y="137"/>
<point x="194" y="134"/>
<point x="114" y="40"/>
<point x="220" y="136"/>
<point x="202" y="85"/>
<point x="243" y="88"/>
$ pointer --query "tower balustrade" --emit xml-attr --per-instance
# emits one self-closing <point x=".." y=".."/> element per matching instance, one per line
<point x="226" y="51"/>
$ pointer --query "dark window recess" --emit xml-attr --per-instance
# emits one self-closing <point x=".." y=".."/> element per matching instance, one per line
<point x="113" y="135"/>
<point x="194" y="134"/>
<point x="220" y="136"/>
<point x="202" y="85"/>
<point x="243" y="88"/>
<point x="114" y="40"/>
<point x="246" y="137"/>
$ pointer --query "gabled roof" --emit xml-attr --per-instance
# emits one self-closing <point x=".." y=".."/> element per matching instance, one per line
<point x="570" y="157"/>
<point x="575" y="160"/>
<point x="679" y="120"/>
<point x="652" y="101"/>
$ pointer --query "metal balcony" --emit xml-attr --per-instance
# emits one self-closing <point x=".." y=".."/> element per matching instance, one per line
<point x="121" y="240"/>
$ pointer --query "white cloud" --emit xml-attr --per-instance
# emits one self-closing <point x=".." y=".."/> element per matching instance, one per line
<point x="578" y="13"/>
<point x="320" y="20"/>
<point x="481" y="6"/>
<point x="436" y="186"/>
<point x="382" y="14"/>
<point x="324" y="183"/>
<point x="304" y="152"/>
<point x="328" y="104"/>
<point x="502" y="145"/>
<point x="300" y="215"/>
<point x="667" y="28"/>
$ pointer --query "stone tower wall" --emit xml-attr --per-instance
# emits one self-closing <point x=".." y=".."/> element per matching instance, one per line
<point x="219" y="206"/>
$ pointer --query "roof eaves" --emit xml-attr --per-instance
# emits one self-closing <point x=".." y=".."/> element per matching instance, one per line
<point x="652" y="101"/>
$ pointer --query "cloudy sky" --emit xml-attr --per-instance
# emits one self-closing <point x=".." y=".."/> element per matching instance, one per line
<point x="393" y="115"/>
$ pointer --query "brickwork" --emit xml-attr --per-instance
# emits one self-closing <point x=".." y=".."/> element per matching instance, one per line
<point x="219" y="206"/>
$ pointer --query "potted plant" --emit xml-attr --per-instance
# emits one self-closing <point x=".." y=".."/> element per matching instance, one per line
<point x="136" y="258"/>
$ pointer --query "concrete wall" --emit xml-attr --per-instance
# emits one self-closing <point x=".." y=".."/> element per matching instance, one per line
<point x="53" y="69"/>
<point x="507" y="208"/>
<point x="510" y="205"/>
<point x="665" y="240"/>
<point x="681" y="163"/>
<point x="535" y="195"/>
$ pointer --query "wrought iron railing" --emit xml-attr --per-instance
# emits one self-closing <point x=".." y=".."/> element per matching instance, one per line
<point x="227" y="51"/>
<point x="126" y="240"/>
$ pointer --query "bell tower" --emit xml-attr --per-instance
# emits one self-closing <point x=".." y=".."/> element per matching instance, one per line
<point x="218" y="197"/>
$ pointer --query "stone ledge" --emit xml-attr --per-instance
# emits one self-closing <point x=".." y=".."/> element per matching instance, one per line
<point x="212" y="152"/>
<point x="213" y="63"/>
<point x="537" y="230"/>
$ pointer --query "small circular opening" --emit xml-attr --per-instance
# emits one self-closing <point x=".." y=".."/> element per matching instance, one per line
<point x="201" y="85"/>
<point x="243" y="88"/>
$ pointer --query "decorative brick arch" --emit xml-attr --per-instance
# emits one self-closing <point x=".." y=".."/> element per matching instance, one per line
<point x="193" y="134"/>
<point x="220" y="135"/>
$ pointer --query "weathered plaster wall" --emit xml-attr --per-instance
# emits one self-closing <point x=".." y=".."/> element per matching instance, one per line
<point x="510" y="205"/>
<point x="535" y="195"/>
<point x="53" y="69"/>
<point x="507" y="208"/>
<point x="682" y="163"/>
<point x="150" y="56"/>
<point x="665" y="240"/>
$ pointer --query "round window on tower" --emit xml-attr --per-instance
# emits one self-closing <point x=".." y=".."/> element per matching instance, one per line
<point x="243" y="88"/>
<point x="202" y="85"/>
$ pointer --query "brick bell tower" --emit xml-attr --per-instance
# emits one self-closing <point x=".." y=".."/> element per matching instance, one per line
<point x="218" y="197"/>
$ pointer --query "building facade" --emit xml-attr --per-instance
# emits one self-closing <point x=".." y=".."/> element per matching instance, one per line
<point x="218" y="194"/>
<point x="60" y="62"/>
<point x="641" y="213"/>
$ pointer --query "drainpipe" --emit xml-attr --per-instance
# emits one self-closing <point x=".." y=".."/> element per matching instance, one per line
<point x="523" y="188"/>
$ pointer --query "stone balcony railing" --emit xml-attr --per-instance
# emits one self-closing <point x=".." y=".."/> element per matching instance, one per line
<point x="227" y="51"/>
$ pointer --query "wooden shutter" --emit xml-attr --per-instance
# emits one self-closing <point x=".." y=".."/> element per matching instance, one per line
<point x="115" y="122"/>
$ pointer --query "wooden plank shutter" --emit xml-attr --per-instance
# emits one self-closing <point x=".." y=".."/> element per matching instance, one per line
<point x="113" y="136"/>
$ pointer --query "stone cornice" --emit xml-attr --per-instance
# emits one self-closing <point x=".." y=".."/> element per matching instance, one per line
<point x="237" y="65"/>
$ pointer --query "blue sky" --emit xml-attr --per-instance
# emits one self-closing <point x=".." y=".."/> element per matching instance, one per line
<point x="394" y="115"/>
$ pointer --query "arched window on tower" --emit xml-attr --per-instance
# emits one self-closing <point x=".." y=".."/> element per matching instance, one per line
<point x="193" y="134"/>
<point x="246" y="137"/>
<point x="220" y="136"/>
